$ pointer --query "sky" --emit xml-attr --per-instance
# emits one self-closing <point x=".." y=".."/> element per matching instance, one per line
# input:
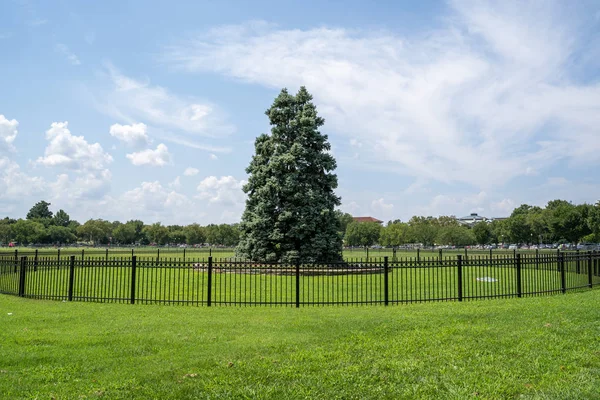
<point x="149" y="109"/>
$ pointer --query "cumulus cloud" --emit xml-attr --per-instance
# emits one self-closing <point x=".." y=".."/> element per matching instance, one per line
<point x="8" y="132"/>
<point x="72" y="152"/>
<point x="381" y="206"/>
<point x="503" y="207"/>
<point x="213" y="157"/>
<point x="490" y="94"/>
<point x="191" y="171"/>
<point x="133" y="135"/>
<point x="174" y="118"/>
<point x="72" y="190"/>
<point x="224" y="190"/>
<point x="15" y="185"/>
<point x="153" y="197"/>
<point x="156" y="158"/>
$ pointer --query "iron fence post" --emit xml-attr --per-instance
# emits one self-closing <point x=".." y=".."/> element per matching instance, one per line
<point x="22" y="277"/>
<point x="386" y="281"/>
<point x="16" y="260"/>
<point x="459" y="278"/>
<point x="71" y="277"/>
<point x="298" y="282"/>
<point x="577" y="263"/>
<point x="563" y="277"/>
<point x="519" y="283"/>
<point x="209" y="289"/>
<point x="133" y="274"/>
<point x="589" y="268"/>
<point x="35" y="261"/>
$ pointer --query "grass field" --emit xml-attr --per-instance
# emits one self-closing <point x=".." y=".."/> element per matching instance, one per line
<point x="179" y="253"/>
<point x="536" y="348"/>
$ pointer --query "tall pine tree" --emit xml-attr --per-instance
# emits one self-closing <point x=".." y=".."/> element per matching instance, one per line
<point x="290" y="207"/>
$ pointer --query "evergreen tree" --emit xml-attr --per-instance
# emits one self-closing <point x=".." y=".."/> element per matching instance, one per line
<point x="290" y="206"/>
<point x="40" y="210"/>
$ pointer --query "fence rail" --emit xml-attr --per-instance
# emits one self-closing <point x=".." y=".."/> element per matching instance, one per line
<point x="224" y="281"/>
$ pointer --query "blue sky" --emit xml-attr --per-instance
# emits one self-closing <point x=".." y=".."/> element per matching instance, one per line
<point x="149" y="109"/>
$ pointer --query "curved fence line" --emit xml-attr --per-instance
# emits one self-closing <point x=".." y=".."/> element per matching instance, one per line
<point x="227" y="281"/>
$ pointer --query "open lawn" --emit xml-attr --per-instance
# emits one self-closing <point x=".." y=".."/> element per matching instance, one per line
<point x="546" y="348"/>
<point x="218" y="252"/>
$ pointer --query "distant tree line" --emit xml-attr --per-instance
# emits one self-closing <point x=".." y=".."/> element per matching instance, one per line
<point x="559" y="222"/>
<point x="41" y="226"/>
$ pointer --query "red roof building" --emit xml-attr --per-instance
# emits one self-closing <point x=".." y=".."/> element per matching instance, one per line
<point x="367" y="219"/>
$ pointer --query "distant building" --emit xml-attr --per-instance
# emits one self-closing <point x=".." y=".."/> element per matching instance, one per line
<point x="472" y="219"/>
<point x="366" y="219"/>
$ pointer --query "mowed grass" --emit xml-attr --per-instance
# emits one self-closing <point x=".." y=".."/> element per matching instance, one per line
<point x="534" y="348"/>
<point x="175" y="253"/>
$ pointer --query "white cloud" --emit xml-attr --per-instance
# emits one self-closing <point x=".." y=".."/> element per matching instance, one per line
<point x="73" y="152"/>
<point x="381" y="206"/>
<point x="225" y="190"/>
<point x="213" y="157"/>
<point x="191" y="171"/>
<point x="504" y="207"/>
<point x="71" y="57"/>
<point x="351" y="207"/>
<point x="16" y="185"/>
<point x="355" y="143"/>
<point x="133" y="135"/>
<point x="156" y="158"/>
<point x="8" y="132"/>
<point x="485" y="99"/>
<point x="70" y="191"/>
<point x="174" y="118"/>
<point x="152" y="196"/>
<point x="176" y="184"/>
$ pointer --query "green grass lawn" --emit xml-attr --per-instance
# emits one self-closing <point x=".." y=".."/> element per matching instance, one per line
<point x="178" y="253"/>
<point x="546" y="348"/>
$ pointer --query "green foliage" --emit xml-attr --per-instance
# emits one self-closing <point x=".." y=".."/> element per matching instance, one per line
<point x="61" y="218"/>
<point x="124" y="234"/>
<point x="396" y="234"/>
<point x="343" y="219"/>
<point x="194" y="234"/>
<point x="290" y="207"/>
<point x="25" y="231"/>
<point x="222" y="235"/>
<point x="60" y="235"/>
<point x="40" y="210"/>
<point x="482" y="232"/>
<point x="157" y="233"/>
<point x="362" y="233"/>
<point x="96" y="231"/>
<point x="424" y="229"/>
<point x="455" y="235"/>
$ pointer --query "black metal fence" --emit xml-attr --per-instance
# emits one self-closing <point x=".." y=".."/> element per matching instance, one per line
<point x="214" y="281"/>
